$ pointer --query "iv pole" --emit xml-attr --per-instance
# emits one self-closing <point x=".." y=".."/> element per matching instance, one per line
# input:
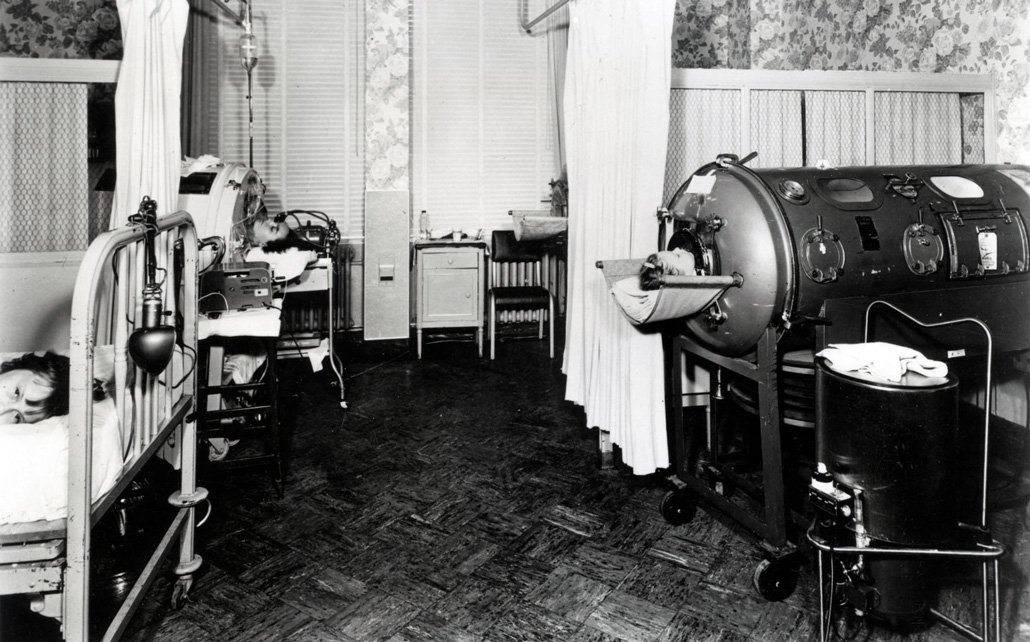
<point x="249" y="60"/>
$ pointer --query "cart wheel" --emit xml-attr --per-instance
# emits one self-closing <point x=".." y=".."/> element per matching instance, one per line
<point x="678" y="507"/>
<point x="775" y="580"/>
<point x="180" y="593"/>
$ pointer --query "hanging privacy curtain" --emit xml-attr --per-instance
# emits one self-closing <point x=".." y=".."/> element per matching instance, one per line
<point x="147" y="106"/>
<point x="616" y="119"/>
<point x="557" y="50"/>
<point x="199" y="101"/>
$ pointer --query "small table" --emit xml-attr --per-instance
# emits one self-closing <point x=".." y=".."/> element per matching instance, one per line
<point x="318" y="277"/>
<point x="450" y="291"/>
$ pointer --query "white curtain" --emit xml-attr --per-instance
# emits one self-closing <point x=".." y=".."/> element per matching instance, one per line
<point x="835" y="127"/>
<point x="616" y="120"/>
<point x="776" y="129"/>
<point x="915" y="127"/>
<point x="147" y="106"/>
<point x="557" y="51"/>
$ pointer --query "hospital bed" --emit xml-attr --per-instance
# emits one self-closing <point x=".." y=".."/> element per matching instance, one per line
<point x="102" y="447"/>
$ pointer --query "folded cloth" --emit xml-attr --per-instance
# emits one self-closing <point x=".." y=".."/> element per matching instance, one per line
<point x="881" y="360"/>
<point x="286" y="265"/>
<point x="190" y="165"/>
<point x="258" y="322"/>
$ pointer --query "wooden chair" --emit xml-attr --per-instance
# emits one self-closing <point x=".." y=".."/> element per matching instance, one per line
<point x="517" y="282"/>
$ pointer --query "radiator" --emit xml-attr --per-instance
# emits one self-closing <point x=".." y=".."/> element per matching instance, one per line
<point x="550" y="272"/>
<point x="307" y="313"/>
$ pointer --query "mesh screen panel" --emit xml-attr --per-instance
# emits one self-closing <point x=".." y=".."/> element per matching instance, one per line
<point x="972" y="110"/>
<point x="776" y="129"/>
<point x="43" y="201"/>
<point x="835" y="127"/>
<point x="917" y="127"/>
<point x="703" y="123"/>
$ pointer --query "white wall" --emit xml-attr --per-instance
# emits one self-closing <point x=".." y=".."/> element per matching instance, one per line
<point x="36" y="291"/>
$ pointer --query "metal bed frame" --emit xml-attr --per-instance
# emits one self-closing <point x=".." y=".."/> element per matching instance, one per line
<point x="52" y="559"/>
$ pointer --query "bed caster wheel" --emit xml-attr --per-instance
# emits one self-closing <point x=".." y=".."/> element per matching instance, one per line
<point x="775" y="580"/>
<point x="180" y="594"/>
<point x="678" y="507"/>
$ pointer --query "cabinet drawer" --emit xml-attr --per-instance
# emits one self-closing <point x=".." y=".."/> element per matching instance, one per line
<point x="449" y="260"/>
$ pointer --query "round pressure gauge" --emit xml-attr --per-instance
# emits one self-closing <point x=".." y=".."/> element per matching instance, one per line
<point x="792" y="190"/>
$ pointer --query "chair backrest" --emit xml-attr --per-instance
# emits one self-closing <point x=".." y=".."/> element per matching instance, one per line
<point x="515" y="263"/>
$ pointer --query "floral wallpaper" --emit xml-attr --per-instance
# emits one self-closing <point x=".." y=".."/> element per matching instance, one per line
<point x="60" y="29"/>
<point x="387" y="95"/>
<point x="945" y="36"/>
<point x="707" y="34"/>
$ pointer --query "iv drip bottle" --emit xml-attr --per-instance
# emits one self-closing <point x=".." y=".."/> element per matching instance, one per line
<point x="423" y="225"/>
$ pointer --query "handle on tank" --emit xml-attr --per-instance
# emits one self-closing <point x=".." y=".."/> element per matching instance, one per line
<point x="732" y="159"/>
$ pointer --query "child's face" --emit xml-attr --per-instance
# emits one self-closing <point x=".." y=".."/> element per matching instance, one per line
<point x="21" y="395"/>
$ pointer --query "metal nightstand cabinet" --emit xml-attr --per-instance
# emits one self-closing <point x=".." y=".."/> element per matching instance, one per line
<point x="450" y="287"/>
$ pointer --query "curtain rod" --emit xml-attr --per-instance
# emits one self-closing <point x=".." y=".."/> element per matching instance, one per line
<point x="528" y="26"/>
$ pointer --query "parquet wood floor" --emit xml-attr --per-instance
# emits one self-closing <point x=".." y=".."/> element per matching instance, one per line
<point x="461" y="499"/>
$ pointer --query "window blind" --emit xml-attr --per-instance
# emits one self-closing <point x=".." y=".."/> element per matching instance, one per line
<point x="483" y="121"/>
<point x="308" y="101"/>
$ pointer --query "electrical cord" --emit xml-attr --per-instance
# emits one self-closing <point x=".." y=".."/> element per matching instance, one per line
<point x="218" y="294"/>
<point x="332" y="231"/>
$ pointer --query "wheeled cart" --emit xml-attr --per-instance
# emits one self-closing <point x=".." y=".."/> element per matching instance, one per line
<point x="703" y="472"/>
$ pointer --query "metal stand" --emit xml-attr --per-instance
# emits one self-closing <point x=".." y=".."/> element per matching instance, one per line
<point x="981" y="546"/>
<point x="776" y="577"/>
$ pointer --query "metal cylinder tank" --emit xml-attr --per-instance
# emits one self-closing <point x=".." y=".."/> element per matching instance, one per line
<point x="895" y="443"/>
<point x="220" y="198"/>
<point x="802" y="236"/>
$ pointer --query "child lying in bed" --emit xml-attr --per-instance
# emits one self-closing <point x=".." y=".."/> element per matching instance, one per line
<point x="34" y="429"/>
<point x="33" y="388"/>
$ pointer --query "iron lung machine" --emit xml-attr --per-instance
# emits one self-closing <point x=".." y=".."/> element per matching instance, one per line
<point x="841" y="255"/>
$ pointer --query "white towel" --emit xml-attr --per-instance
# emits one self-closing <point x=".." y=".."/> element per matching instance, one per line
<point x="885" y="361"/>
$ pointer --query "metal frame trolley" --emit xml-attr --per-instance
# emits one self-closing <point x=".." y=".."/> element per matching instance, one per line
<point x="838" y="532"/>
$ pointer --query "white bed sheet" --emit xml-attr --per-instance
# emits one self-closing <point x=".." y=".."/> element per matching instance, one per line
<point x="34" y="462"/>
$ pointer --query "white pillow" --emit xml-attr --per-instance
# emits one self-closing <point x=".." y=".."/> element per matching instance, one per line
<point x="34" y="457"/>
<point x="285" y="266"/>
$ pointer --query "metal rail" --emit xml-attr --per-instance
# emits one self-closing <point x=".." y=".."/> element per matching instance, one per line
<point x="528" y="26"/>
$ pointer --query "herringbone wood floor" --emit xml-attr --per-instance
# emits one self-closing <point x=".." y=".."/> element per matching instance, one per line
<point x="461" y="499"/>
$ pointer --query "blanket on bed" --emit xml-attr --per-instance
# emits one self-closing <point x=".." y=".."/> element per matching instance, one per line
<point x="34" y="458"/>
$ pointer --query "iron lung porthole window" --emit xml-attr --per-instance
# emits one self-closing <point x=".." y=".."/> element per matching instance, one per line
<point x="957" y="186"/>
<point x="846" y="190"/>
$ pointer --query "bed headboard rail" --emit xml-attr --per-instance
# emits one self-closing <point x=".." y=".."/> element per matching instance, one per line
<point x="106" y="308"/>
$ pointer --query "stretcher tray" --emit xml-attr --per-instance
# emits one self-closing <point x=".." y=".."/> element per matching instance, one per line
<point x="677" y="297"/>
